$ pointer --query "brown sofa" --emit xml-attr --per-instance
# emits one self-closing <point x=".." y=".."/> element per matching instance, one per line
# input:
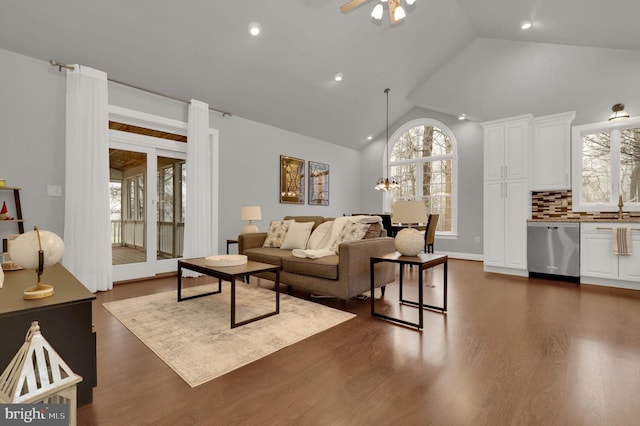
<point x="344" y="275"/>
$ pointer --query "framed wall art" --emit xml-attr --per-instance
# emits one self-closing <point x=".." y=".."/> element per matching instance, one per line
<point x="318" y="184"/>
<point x="291" y="180"/>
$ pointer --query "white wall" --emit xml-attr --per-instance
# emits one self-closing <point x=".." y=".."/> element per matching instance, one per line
<point x="32" y="119"/>
<point x="32" y="114"/>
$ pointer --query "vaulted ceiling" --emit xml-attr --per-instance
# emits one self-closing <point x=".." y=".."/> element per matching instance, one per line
<point x="464" y="56"/>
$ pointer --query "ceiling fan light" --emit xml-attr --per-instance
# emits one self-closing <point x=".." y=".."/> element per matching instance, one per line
<point x="399" y="14"/>
<point x="377" y="11"/>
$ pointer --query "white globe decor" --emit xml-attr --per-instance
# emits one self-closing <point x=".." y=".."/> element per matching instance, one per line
<point x="409" y="242"/>
<point x="37" y="250"/>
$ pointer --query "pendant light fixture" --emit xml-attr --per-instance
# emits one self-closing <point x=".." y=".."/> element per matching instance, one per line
<point x="618" y="113"/>
<point x="387" y="183"/>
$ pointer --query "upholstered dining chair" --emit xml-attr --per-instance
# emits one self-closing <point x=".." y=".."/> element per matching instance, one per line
<point x="430" y="233"/>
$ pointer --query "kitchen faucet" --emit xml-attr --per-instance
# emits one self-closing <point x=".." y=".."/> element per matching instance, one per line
<point x="620" y="205"/>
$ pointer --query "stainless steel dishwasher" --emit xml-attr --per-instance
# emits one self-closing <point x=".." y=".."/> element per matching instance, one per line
<point x="553" y="250"/>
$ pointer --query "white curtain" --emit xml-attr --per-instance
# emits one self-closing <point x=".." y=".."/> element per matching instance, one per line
<point x="87" y="228"/>
<point x="198" y="221"/>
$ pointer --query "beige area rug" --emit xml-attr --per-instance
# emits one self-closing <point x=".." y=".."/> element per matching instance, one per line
<point x="194" y="337"/>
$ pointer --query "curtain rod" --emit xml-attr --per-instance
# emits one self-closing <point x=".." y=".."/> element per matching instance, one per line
<point x="55" y="63"/>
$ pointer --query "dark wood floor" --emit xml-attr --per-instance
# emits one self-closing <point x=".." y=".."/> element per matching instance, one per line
<point x="510" y="351"/>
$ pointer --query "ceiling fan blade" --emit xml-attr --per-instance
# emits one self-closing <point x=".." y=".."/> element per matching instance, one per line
<point x="392" y="10"/>
<point x="351" y="5"/>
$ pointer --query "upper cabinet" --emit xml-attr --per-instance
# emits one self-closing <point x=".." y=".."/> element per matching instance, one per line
<point x="551" y="152"/>
<point x="506" y="148"/>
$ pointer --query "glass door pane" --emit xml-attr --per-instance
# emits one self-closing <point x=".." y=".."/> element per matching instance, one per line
<point x="128" y="172"/>
<point x="171" y="202"/>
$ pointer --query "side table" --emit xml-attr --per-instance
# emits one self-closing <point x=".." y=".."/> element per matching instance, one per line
<point x="229" y="242"/>
<point x="423" y="261"/>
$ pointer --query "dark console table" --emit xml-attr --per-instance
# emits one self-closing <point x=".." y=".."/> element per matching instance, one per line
<point x="65" y="321"/>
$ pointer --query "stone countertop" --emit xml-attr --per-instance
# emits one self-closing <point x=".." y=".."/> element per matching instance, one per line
<point x="589" y="220"/>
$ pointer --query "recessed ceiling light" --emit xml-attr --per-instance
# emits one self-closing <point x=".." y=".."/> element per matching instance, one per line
<point x="526" y="25"/>
<point x="338" y="76"/>
<point x="369" y="137"/>
<point x="254" y="29"/>
<point x="462" y="117"/>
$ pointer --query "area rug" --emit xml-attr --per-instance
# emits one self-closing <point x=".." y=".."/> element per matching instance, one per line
<point x="194" y="337"/>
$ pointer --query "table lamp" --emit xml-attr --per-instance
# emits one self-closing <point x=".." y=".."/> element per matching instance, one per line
<point x="37" y="250"/>
<point x="250" y="213"/>
<point x="409" y="241"/>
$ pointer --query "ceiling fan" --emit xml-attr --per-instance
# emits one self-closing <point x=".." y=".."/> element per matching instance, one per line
<point x="396" y="11"/>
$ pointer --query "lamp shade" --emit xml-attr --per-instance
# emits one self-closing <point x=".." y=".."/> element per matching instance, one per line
<point x="409" y="212"/>
<point x="250" y="213"/>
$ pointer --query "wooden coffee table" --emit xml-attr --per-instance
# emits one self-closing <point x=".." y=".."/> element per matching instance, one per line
<point x="229" y="273"/>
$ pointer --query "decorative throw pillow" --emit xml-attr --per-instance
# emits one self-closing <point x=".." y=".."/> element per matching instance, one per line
<point x="317" y="238"/>
<point x="276" y="233"/>
<point x="373" y="231"/>
<point x="350" y="232"/>
<point x="297" y="235"/>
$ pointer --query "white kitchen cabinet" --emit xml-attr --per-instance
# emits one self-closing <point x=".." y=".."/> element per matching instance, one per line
<point x="506" y="148"/>
<point x="629" y="266"/>
<point x="598" y="264"/>
<point x="551" y="152"/>
<point x="505" y="231"/>
<point x="506" y="194"/>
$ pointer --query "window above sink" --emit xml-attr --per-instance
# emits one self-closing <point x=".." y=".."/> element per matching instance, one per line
<point x="606" y="165"/>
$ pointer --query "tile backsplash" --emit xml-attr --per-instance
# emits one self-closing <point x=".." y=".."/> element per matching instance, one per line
<point x="557" y="205"/>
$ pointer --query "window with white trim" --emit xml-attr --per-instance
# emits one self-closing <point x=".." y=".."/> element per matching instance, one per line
<point x="423" y="160"/>
<point x="606" y="166"/>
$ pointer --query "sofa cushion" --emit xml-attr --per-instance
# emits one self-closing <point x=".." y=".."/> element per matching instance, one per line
<point x="297" y="235"/>
<point x="276" y="233"/>
<point x="350" y="232"/>
<point x="325" y="267"/>
<point x="272" y="256"/>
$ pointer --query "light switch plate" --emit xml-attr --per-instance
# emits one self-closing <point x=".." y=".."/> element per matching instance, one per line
<point x="54" y="190"/>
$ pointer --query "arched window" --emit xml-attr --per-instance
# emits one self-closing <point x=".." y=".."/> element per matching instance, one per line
<point x="423" y="160"/>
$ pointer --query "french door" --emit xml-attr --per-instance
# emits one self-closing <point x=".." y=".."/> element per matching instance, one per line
<point x="147" y="199"/>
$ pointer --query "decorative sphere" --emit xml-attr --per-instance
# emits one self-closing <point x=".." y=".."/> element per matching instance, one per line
<point x="24" y="249"/>
<point x="409" y="242"/>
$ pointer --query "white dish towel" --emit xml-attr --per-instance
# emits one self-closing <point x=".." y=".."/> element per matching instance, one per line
<point x="622" y="242"/>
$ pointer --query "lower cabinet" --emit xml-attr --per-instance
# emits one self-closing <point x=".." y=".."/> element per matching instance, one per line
<point x="598" y="264"/>
<point x="505" y="226"/>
